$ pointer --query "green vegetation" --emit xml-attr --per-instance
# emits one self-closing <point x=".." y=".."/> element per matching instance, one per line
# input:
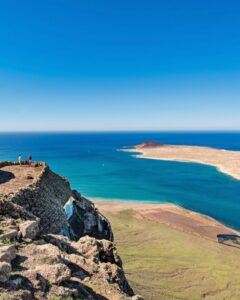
<point x="164" y="263"/>
<point x="5" y="241"/>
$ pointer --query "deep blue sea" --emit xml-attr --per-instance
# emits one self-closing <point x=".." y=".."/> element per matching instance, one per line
<point x="97" y="170"/>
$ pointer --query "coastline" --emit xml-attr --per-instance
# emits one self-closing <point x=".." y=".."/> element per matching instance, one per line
<point x="169" y="214"/>
<point x="225" y="161"/>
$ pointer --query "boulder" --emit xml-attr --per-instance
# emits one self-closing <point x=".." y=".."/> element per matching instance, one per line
<point x="88" y="247"/>
<point x="38" y="282"/>
<point x="29" y="229"/>
<point x="102" y="261"/>
<point x="7" y="253"/>
<point x="97" y="250"/>
<point x="8" y="222"/>
<point x="40" y="254"/>
<point x="5" y="271"/>
<point x="54" y="274"/>
<point x="63" y="292"/>
<point x="112" y="273"/>
<point x="79" y="264"/>
<point x="108" y="253"/>
<point x="10" y="235"/>
<point x="62" y="242"/>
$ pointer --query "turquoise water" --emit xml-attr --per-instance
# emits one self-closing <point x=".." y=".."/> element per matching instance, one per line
<point x="94" y="167"/>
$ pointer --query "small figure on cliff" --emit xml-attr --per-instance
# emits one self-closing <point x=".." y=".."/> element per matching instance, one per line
<point x="29" y="160"/>
<point x="20" y="159"/>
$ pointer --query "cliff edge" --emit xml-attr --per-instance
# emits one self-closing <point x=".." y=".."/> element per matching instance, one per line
<point x="54" y="244"/>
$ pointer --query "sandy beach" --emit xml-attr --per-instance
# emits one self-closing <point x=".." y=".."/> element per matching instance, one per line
<point x="225" y="161"/>
<point x="169" y="214"/>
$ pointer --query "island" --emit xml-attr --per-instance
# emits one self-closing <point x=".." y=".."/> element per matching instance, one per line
<point x="225" y="161"/>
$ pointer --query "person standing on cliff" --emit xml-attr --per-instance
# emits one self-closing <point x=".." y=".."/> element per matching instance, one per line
<point x="20" y="159"/>
<point x="29" y="160"/>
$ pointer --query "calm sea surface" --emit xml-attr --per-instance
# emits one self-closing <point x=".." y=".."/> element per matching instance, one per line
<point x="94" y="167"/>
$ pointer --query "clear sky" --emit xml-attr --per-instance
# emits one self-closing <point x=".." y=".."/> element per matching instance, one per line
<point x="119" y="65"/>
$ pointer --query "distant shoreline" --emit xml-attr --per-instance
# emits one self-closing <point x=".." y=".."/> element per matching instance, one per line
<point x="170" y="214"/>
<point x="226" y="161"/>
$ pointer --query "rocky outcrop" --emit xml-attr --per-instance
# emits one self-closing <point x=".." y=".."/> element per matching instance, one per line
<point x="29" y="229"/>
<point x="37" y="262"/>
<point x="43" y="201"/>
<point x="5" y="271"/>
<point x="7" y="253"/>
<point x="53" y="265"/>
<point x="148" y="145"/>
<point x="87" y="220"/>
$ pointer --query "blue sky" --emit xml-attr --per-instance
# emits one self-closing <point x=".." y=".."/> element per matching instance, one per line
<point x="119" y="65"/>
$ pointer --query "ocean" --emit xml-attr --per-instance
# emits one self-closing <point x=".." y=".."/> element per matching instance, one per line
<point x="95" y="167"/>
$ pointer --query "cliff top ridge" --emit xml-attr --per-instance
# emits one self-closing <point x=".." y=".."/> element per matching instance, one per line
<point x="14" y="176"/>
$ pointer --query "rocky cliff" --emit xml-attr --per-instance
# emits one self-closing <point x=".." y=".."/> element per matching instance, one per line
<point x="36" y="260"/>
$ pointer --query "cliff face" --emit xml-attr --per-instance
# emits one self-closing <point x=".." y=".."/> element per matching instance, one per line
<point x="87" y="220"/>
<point x="45" y="198"/>
<point x="36" y="261"/>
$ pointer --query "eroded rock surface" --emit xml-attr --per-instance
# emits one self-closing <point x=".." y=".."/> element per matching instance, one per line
<point x="29" y="229"/>
<point x="87" y="220"/>
<point x="5" y="271"/>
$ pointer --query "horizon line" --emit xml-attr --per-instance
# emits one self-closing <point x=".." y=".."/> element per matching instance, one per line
<point x="126" y="131"/>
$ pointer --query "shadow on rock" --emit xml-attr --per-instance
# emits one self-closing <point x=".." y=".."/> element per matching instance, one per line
<point x="83" y="290"/>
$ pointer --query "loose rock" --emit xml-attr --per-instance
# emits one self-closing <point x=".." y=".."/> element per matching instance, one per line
<point x="29" y="229"/>
<point x="63" y="292"/>
<point x="5" y="271"/>
<point x="9" y="235"/>
<point x="7" y="253"/>
<point x="54" y="274"/>
<point x="38" y="282"/>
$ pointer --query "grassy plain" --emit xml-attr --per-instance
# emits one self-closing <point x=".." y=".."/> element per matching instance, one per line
<point x="165" y="263"/>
